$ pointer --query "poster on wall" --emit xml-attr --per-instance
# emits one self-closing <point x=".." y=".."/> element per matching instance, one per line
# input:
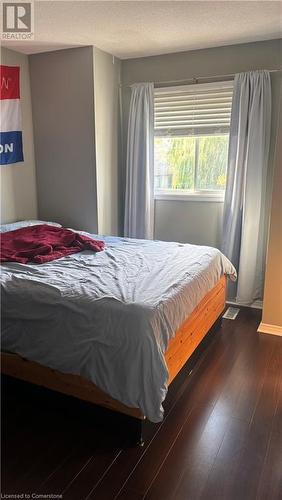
<point x="11" y="147"/>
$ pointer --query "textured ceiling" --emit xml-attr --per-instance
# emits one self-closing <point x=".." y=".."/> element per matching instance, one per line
<point x="139" y="28"/>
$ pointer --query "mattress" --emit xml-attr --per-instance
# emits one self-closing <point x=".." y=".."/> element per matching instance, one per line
<point x="109" y="316"/>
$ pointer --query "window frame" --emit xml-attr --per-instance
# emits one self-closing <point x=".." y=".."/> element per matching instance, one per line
<point x="196" y="194"/>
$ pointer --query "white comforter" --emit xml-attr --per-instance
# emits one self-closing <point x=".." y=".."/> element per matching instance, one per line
<point x="109" y="316"/>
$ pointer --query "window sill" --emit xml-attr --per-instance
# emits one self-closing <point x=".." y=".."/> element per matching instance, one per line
<point x="209" y="197"/>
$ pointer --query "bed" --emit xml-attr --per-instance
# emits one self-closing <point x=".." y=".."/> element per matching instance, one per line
<point x="113" y="328"/>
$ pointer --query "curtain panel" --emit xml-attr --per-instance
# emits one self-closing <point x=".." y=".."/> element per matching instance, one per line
<point x="244" y="208"/>
<point x="139" y="192"/>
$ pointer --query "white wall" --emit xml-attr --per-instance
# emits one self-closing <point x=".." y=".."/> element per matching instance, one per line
<point x="106" y="91"/>
<point x="18" y="182"/>
<point x="200" y="223"/>
<point x="75" y="97"/>
<point x="62" y="85"/>
<point x="188" y="221"/>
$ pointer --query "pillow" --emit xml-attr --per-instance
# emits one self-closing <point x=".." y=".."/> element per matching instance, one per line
<point x="24" y="223"/>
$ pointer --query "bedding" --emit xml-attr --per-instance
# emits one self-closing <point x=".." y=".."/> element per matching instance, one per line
<point x="109" y="316"/>
<point x="44" y="243"/>
<point x="12" y="226"/>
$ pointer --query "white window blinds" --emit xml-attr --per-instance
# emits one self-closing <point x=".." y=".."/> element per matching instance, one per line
<point x="193" y="109"/>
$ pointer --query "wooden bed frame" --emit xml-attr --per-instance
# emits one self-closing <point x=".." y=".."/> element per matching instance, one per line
<point x="180" y="348"/>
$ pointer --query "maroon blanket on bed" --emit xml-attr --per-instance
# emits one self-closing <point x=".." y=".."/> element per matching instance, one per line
<point x="43" y="243"/>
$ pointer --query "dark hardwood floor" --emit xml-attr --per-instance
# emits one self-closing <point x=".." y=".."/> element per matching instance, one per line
<point x="221" y="437"/>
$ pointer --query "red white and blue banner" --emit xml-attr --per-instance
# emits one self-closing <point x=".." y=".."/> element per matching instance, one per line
<point x="11" y="146"/>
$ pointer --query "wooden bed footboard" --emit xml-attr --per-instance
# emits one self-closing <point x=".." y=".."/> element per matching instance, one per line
<point x="195" y="328"/>
<point x="180" y="348"/>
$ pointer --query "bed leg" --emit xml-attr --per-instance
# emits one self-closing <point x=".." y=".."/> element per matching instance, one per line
<point x="140" y="440"/>
<point x="136" y="432"/>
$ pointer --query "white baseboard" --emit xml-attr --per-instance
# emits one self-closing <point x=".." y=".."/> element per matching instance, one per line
<point x="257" y="304"/>
<point x="271" y="329"/>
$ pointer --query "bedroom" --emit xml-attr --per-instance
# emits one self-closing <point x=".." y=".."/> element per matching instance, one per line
<point x="114" y="328"/>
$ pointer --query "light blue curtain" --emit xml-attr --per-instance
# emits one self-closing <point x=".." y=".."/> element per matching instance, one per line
<point x="139" y="193"/>
<point x="244" y="207"/>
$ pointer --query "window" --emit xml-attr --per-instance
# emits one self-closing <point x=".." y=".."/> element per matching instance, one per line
<point x="191" y="140"/>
